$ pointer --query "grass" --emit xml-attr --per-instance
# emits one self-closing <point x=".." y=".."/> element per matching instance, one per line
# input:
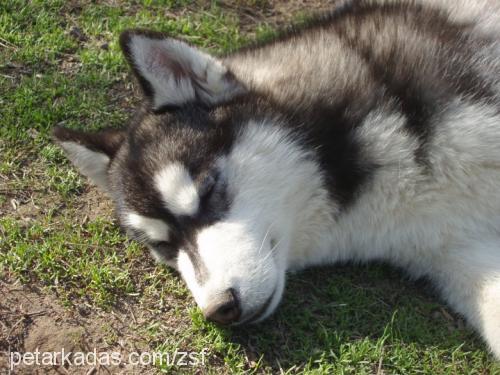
<point x="60" y="64"/>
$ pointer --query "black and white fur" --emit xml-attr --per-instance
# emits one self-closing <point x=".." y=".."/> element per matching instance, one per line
<point x="371" y="134"/>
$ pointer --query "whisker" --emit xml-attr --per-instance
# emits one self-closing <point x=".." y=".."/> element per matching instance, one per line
<point x="273" y="249"/>
<point x="264" y="240"/>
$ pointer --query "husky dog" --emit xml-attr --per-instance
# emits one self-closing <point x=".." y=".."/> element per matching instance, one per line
<point x="370" y="134"/>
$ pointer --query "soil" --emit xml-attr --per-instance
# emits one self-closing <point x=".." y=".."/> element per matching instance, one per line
<point x="33" y="320"/>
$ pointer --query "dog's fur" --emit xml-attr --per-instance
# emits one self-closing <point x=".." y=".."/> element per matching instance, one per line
<point x="371" y="134"/>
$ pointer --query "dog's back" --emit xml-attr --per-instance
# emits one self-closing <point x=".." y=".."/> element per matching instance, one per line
<point x="379" y="84"/>
<point x="364" y="44"/>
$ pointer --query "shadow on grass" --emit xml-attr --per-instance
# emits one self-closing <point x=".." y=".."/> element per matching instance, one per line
<point x="351" y="313"/>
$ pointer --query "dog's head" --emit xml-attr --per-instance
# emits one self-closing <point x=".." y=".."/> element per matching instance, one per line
<point x="209" y="189"/>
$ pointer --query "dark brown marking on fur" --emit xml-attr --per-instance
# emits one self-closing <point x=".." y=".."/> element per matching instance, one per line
<point x="365" y="27"/>
<point x="191" y="135"/>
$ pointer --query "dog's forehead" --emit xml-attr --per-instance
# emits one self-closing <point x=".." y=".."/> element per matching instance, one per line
<point x="188" y="135"/>
<point x="165" y="161"/>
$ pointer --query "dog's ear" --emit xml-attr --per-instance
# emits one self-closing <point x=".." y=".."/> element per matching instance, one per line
<point x="173" y="73"/>
<point x="91" y="153"/>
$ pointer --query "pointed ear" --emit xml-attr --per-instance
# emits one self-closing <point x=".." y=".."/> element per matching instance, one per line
<point x="91" y="153"/>
<point x="173" y="73"/>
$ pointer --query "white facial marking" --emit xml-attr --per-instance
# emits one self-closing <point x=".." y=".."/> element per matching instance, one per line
<point x="185" y="266"/>
<point x="90" y="163"/>
<point x="155" y="229"/>
<point x="177" y="190"/>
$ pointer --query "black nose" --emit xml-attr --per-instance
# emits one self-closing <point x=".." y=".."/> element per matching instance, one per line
<point x="225" y="310"/>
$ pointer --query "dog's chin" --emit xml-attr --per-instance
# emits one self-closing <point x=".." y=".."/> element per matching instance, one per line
<point x="259" y="313"/>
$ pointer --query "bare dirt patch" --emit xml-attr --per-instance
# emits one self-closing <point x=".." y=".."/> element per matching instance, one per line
<point x="93" y="204"/>
<point x="33" y="320"/>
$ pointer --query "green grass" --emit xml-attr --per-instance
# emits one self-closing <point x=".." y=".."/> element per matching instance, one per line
<point x="345" y="319"/>
<point x="90" y="261"/>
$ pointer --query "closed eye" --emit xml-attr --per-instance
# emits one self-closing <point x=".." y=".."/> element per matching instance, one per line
<point x="208" y="186"/>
